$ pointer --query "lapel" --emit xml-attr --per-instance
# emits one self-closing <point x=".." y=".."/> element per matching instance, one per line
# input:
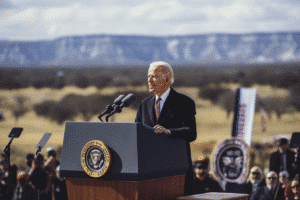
<point x="151" y="110"/>
<point x="166" y="110"/>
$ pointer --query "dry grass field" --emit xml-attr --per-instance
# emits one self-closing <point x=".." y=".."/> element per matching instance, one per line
<point x="213" y="125"/>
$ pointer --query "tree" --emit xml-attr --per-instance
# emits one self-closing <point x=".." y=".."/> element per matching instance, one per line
<point x="19" y="107"/>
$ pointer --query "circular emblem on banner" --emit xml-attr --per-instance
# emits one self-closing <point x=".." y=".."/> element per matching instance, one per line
<point x="95" y="158"/>
<point x="230" y="161"/>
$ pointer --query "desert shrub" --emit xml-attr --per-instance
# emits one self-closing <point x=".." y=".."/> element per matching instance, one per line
<point x="226" y="101"/>
<point x="63" y="112"/>
<point x="59" y="83"/>
<point x="44" y="108"/>
<point x="82" y="81"/>
<point x="8" y="79"/>
<point x="43" y="83"/>
<point x="212" y="93"/>
<point x="295" y="96"/>
<point x="288" y="79"/>
<point x="101" y="82"/>
<point x="275" y="104"/>
<point x="20" y="106"/>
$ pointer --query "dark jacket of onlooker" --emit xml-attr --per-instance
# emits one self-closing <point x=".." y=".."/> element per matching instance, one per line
<point x="209" y="184"/>
<point x="264" y="193"/>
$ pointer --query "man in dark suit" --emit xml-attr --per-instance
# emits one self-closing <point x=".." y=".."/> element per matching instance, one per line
<point x="168" y="111"/>
<point x="271" y="191"/>
<point x="256" y="180"/>
<point x="283" y="159"/>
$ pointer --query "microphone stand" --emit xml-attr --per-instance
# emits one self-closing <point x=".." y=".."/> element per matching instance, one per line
<point x="116" y="110"/>
<point x="39" y="148"/>
<point x="7" y="149"/>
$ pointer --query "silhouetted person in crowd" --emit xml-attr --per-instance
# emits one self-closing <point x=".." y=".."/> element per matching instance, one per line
<point x="24" y="189"/>
<point x="29" y="158"/>
<point x="3" y="187"/>
<point x="203" y="182"/>
<point x="52" y="153"/>
<point x="60" y="189"/>
<point x="283" y="158"/>
<point x="272" y="189"/>
<point x="39" y="178"/>
<point x="10" y="175"/>
<point x="285" y="184"/>
<point x="256" y="179"/>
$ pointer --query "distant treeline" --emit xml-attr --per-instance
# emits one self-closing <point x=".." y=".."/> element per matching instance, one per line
<point x="208" y="78"/>
<point x="282" y="75"/>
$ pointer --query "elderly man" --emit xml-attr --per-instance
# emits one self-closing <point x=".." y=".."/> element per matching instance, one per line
<point x="168" y="111"/>
<point x="272" y="189"/>
<point x="256" y="180"/>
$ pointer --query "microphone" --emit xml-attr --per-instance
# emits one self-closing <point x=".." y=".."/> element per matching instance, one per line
<point x="127" y="101"/>
<point x="110" y="108"/>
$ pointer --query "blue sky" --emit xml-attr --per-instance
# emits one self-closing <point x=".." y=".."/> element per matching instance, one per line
<point x="47" y="20"/>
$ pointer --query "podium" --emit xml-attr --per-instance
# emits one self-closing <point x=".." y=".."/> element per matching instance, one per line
<point x="144" y="165"/>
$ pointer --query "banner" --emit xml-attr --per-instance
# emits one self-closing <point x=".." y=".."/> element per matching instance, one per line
<point x="244" y="109"/>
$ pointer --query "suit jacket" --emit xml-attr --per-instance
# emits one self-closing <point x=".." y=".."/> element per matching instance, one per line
<point x="247" y="187"/>
<point x="263" y="193"/>
<point x="177" y="115"/>
<point x="275" y="160"/>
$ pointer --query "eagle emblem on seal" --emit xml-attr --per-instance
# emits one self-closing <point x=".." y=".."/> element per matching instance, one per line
<point x="95" y="159"/>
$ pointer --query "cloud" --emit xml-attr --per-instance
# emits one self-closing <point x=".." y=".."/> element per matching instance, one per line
<point x="4" y="4"/>
<point x="41" y="19"/>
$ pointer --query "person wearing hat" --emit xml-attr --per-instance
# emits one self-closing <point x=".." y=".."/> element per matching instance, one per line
<point x="203" y="182"/>
<point x="283" y="158"/>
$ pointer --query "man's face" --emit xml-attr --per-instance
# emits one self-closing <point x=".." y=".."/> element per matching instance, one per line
<point x="157" y="83"/>
<point x="255" y="175"/>
<point x="283" y="179"/>
<point x="272" y="179"/>
<point x="201" y="173"/>
<point x="295" y="187"/>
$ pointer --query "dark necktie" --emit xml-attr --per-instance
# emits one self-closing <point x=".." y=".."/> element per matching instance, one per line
<point x="157" y="108"/>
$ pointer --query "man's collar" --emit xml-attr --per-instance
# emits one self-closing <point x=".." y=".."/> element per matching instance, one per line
<point x="165" y="95"/>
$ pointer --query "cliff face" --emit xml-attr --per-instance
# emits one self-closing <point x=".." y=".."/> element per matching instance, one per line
<point x="123" y="50"/>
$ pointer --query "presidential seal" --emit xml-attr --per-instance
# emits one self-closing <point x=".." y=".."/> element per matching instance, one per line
<point x="230" y="161"/>
<point x="95" y="158"/>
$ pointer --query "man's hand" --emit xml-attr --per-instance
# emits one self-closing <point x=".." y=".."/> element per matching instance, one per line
<point x="160" y="129"/>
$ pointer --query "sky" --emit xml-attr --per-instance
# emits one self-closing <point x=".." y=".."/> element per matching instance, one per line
<point x="48" y="20"/>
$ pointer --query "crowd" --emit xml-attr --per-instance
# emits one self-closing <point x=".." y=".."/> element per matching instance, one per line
<point x="39" y="181"/>
<point x="279" y="182"/>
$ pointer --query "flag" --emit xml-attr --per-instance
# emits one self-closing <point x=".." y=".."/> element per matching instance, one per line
<point x="244" y="109"/>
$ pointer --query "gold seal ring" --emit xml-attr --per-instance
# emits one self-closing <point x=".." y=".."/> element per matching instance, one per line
<point x="95" y="158"/>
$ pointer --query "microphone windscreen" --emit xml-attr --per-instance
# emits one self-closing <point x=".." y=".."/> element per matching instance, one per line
<point x="118" y="100"/>
<point x="128" y="100"/>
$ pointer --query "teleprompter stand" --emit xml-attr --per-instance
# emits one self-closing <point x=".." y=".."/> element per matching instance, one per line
<point x="144" y="165"/>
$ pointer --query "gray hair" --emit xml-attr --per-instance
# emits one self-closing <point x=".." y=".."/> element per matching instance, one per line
<point x="167" y="69"/>
<point x="284" y="174"/>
